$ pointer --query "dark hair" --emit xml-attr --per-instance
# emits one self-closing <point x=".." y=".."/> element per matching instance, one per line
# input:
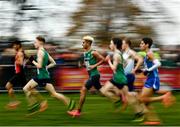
<point x="148" y="41"/>
<point x="17" y="42"/>
<point x="117" y="42"/>
<point x="40" y="38"/>
<point x="127" y="41"/>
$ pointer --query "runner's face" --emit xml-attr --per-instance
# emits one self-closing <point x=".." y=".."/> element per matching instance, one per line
<point x="36" y="43"/>
<point x="143" y="45"/>
<point x="124" y="45"/>
<point x="16" y="47"/>
<point x="85" y="44"/>
<point x="111" y="45"/>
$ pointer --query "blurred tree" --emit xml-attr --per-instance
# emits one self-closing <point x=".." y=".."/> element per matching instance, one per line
<point x="106" y="18"/>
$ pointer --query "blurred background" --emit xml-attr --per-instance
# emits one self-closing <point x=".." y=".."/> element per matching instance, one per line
<point x="64" y="22"/>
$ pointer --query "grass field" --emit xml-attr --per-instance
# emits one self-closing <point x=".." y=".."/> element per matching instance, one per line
<point x="98" y="111"/>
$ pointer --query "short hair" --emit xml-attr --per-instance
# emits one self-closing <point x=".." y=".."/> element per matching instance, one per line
<point x="17" y="42"/>
<point x="127" y="41"/>
<point x="117" y="42"/>
<point x="148" y="41"/>
<point x="89" y="39"/>
<point x="40" y="38"/>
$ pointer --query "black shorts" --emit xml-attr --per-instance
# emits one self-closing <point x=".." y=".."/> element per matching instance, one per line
<point x="42" y="82"/>
<point x="18" y="80"/>
<point x="93" y="81"/>
<point x="120" y="86"/>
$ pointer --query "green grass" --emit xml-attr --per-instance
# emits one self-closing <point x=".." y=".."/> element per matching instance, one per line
<point x="98" y="111"/>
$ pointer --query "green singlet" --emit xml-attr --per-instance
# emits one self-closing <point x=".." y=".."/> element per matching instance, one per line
<point x="119" y="75"/>
<point x="89" y="59"/>
<point x="42" y="73"/>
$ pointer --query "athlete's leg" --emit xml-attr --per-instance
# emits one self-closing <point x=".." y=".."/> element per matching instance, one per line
<point x="28" y="91"/>
<point x="110" y="91"/>
<point x="77" y="112"/>
<point x="67" y="101"/>
<point x="39" y="98"/>
<point x="10" y="90"/>
<point x="9" y="86"/>
<point x="146" y="98"/>
<point x="29" y="86"/>
<point x="92" y="81"/>
<point x="50" y="88"/>
<point x="115" y="94"/>
<point x="138" y="107"/>
<point x="35" y="93"/>
<point x="83" y="92"/>
<point x="33" y="103"/>
<point x="13" y="103"/>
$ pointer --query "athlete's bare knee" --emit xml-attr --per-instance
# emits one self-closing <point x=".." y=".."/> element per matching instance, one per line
<point x="102" y="90"/>
<point x="8" y="86"/>
<point x="26" y="89"/>
<point x="53" y="94"/>
<point x="83" y="90"/>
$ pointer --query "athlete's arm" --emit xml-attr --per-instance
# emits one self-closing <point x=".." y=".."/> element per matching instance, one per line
<point x="155" y="61"/>
<point x="20" y="58"/>
<point x="40" y="56"/>
<point x="139" y="60"/>
<point x="52" y="62"/>
<point x="99" y="57"/>
<point x="115" y="62"/>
